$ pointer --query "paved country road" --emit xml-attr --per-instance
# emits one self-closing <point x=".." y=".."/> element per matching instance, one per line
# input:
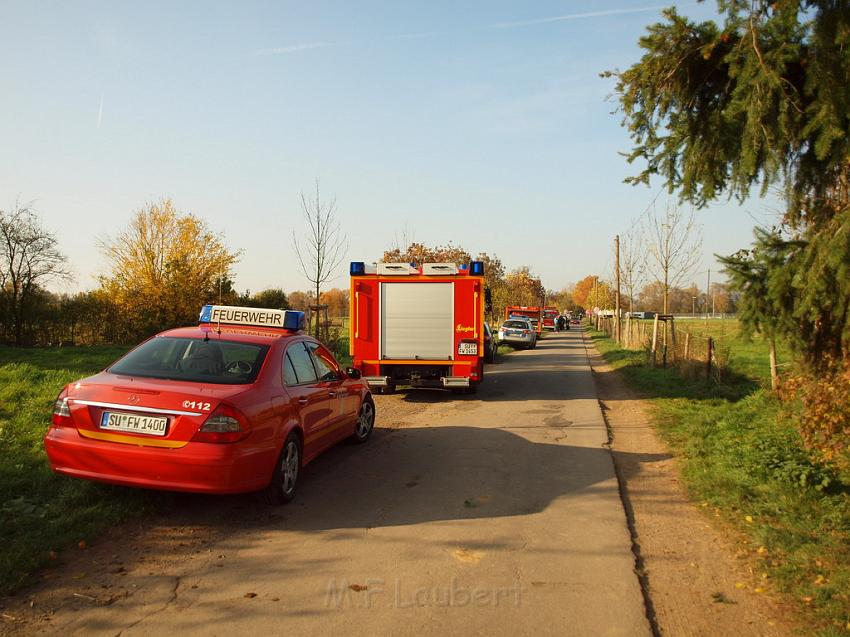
<point x="493" y="514"/>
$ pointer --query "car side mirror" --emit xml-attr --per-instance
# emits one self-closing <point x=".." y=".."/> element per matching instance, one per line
<point x="353" y="373"/>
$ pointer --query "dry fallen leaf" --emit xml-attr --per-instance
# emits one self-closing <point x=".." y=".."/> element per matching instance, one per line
<point x="740" y="585"/>
<point x="82" y="545"/>
<point x="250" y="595"/>
<point x="473" y="557"/>
<point x="358" y="587"/>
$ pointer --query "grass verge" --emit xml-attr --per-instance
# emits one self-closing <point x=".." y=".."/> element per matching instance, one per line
<point x="42" y="513"/>
<point x="743" y="458"/>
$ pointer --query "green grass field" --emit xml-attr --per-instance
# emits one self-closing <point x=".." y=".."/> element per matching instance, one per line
<point x="742" y="457"/>
<point x="39" y="511"/>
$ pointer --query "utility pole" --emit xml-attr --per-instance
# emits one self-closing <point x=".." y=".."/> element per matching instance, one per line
<point x="617" y="297"/>
<point x="596" y="300"/>
<point x="707" y="293"/>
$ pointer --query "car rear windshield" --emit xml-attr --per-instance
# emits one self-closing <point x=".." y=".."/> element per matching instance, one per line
<point x="516" y="325"/>
<point x="194" y="360"/>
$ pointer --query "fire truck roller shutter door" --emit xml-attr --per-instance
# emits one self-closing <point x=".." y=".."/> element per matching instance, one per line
<point x="417" y="321"/>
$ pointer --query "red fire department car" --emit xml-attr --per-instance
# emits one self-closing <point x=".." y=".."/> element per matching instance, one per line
<point x="550" y="315"/>
<point x="418" y="325"/>
<point x="534" y="313"/>
<point x="240" y="403"/>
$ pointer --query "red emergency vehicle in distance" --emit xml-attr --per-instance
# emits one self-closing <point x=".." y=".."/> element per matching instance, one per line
<point x="550" y="315"/>
<point x="418" y="325"/>
<point x="532" y="312"/>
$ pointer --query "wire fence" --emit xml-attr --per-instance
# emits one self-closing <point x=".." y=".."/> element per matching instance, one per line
<point x="667" y="342"/>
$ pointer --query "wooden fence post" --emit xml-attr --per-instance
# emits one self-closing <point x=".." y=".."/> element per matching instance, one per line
<point x="654" y="340"/>
<point x="774" y="373"/>
<point x="687" y="345"/>
<point x="710" y="354"/>
<point x="673" y="338"/>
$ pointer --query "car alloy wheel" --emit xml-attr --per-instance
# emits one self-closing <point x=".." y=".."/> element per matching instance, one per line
<point x="290" y="465"/>
<point x="281" y="489"/>
<point x="365" y="421"/>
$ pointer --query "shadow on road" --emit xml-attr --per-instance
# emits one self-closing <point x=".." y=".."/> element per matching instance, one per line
<point x="416" y="475"/>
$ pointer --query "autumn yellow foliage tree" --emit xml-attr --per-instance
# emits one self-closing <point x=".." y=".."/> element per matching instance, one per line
<point x="588" y="293"/>
<point x="164" y="267"/>
<point x="520" y="287"/>
<point x="419" y="253"/>
<point x="337" y="301"/>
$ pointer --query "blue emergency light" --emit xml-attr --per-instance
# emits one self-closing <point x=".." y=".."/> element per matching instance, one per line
<point x="358" y="268"/>
<point x="294" y="320"/>
<point x="477" y="268"/>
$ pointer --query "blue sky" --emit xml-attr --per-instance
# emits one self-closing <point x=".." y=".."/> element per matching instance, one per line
<point x="481" y="123"/>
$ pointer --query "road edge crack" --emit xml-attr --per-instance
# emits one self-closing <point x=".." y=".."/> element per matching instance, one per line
<point x="640" y="569"/>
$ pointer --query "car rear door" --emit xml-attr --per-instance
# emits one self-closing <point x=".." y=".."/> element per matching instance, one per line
<point x="309" y="397"/>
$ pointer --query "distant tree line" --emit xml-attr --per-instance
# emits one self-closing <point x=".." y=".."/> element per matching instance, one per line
<point x="163" y="268"/>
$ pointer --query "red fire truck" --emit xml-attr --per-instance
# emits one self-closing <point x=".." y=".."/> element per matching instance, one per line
<point x="418" y="325"/>
<point x="532" y="312"/>
<point x="550" y="315"/>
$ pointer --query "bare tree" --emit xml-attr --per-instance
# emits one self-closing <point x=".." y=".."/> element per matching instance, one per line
<point x="323" y="247"/>
<point x="28" y="258"/>
<point x="403" y="239"/>
<point x="632" y="263"/>
<point x="674" y="243"/>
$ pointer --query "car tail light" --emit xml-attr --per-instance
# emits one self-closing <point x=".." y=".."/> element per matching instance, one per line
<point x="503" y="330"/>
<point x="225" y="424"/>
<point x="61" y="411"/>
<point x="525" y="332"/>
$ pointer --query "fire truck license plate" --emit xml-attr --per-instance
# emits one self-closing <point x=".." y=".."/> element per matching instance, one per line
<point x="467" y="349"/>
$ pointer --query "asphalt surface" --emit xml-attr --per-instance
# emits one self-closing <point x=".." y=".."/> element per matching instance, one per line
<point x="493" y="514"/>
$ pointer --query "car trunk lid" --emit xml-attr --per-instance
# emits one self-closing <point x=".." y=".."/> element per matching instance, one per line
<point x="143" y="411"/>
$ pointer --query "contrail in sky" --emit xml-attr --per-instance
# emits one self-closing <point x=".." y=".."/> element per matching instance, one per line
<point x="279" y="50"/>
<point x="100" y="112"/>
<point x="571" y="16"/>
<point x="499" y="25"/>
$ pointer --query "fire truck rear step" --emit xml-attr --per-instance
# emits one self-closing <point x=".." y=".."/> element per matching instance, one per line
<point x="455" y="381"/>
<point x="378" y="381"/>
